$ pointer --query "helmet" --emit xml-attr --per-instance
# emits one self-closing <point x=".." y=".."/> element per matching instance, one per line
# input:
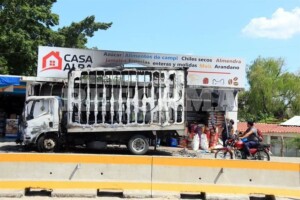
<point x="239" y="144"/>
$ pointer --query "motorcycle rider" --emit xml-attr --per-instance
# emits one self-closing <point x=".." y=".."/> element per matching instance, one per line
<point x="249" y="137"/>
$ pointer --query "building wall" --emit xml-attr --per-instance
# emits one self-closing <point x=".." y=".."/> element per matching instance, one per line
<point x="276" y="146"/>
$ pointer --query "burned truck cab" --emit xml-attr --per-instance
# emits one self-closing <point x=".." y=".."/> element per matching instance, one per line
<point x="41" y="122"/>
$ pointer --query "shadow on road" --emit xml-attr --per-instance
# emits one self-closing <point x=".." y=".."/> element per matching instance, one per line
<point x="11" y="147"/>
<point x="115" y="150"/>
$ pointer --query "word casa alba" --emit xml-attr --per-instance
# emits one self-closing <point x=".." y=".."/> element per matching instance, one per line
<point x="74" y="61"/>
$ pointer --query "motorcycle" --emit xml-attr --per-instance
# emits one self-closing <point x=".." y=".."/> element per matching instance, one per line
<point x="235" y="149"/>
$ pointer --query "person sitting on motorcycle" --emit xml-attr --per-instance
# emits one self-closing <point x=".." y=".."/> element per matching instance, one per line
<point x="249" y="137"/>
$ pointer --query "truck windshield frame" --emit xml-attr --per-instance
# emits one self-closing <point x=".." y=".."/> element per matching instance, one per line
<point x="33" y="112"/>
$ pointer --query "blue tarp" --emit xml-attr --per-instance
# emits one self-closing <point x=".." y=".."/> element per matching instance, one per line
<point x="9" y="80"/>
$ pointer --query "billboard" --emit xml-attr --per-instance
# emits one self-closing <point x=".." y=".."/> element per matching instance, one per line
<point x="56" y="62"/>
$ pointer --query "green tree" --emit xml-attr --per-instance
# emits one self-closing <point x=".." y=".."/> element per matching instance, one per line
<point x="26" y="24"/>
<point x="292" y="143"/>
<point x="76" y="34"/>
<point x="243" y="114"/>
<point x="273" y="93"/>
<point x="288" y="96"/>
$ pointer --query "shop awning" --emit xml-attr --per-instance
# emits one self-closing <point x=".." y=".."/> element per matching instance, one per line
<point x="12" y="85"/>
<point x="9" y="80"/>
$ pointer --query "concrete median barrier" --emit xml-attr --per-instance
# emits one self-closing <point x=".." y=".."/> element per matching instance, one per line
<point x="62" y="174"/>
<point x="144" y="176"/>
<point x="236" y="177"/>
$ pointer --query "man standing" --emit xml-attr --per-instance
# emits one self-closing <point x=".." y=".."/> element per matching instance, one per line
<point x="227" y="130"/>
<point x="249" y="138"/>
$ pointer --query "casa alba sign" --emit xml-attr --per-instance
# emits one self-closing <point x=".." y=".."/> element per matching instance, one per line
<point x="56" y="62"/>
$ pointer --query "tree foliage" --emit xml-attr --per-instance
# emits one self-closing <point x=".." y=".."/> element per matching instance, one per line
<point x="273" y="93"/>
<point x="26" y="24"/>
<point x="76" y="34"/>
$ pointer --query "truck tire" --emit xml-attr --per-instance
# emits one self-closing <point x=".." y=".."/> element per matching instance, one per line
<point x="138" y="145"/>
<point x="47" y="143"/>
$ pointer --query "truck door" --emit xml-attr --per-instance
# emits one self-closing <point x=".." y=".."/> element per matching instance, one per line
<point x="41" y="116"/>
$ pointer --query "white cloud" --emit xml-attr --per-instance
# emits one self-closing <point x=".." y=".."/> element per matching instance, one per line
<point x="282" y="25"/>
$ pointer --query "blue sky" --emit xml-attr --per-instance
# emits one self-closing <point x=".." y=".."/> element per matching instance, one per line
<point x="233" y="28"/>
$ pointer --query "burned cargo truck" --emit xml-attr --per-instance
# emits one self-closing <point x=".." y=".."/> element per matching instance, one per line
<point x="132" y="106"/>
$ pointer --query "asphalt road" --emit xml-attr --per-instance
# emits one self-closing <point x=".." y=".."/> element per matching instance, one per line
<point x="9" y="146"/>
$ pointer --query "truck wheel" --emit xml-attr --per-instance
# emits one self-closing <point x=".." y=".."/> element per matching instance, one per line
<point x="138" y="145"/>
<point x="47" y="143"/>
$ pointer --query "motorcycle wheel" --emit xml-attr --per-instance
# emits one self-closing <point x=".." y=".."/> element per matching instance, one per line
<point x="262" y="155"/>
<point x="239" y="154"/>
<point x="223" y="154"/>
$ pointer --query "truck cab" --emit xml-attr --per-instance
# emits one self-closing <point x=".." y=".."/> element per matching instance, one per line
<point x="41" y="122"/>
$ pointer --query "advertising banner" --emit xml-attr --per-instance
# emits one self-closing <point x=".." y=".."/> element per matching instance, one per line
<point x="55" y="62"/>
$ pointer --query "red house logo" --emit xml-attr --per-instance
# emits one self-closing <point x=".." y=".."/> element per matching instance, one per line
<point x="52" y="61"/>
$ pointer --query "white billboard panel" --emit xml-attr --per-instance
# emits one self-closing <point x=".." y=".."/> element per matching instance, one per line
<point x="205" y="71"/>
